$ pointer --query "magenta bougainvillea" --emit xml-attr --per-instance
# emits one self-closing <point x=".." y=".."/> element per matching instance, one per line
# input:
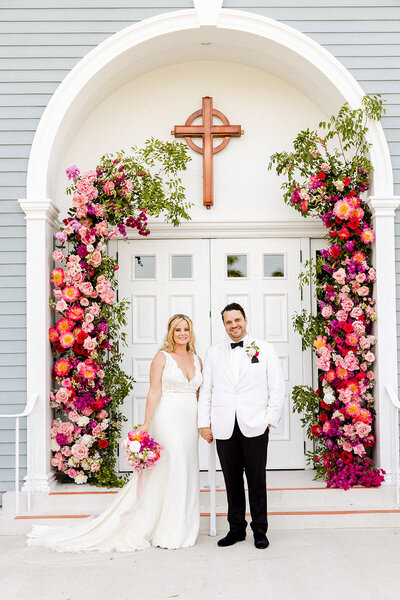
<point x="89" y="382"/>
<point x="327" y="176"/>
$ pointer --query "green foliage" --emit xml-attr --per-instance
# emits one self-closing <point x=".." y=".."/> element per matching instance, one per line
<point x="309" y="327"/>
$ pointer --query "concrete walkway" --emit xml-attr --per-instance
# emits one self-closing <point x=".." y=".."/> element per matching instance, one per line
<point x="356" y="564"/>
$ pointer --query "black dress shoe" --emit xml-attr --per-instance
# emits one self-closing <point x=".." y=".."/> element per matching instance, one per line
<point x="231" y="538"/>
<point x="261" y="541"/>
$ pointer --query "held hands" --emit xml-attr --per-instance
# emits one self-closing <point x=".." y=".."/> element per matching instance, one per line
<point x="206" y="434"/>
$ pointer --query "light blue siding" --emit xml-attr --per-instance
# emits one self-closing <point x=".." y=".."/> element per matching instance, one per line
<point x="41" y="41"/>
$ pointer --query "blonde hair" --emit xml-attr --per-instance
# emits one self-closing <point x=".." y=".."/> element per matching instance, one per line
<point x="169" y="344"/>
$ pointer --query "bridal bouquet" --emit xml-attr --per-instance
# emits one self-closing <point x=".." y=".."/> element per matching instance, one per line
<point x="142" y="452"/>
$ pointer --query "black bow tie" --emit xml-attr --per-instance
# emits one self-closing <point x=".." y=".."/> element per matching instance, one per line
<point x="236" y="344"/>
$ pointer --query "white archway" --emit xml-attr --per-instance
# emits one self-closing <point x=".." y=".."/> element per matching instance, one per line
<point x="191" y="34"/>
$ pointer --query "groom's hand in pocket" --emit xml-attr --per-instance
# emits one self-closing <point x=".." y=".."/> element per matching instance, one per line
<point x="206" y="434"/>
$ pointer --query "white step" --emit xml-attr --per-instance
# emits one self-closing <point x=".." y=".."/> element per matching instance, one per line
<point x="295" y="501"/>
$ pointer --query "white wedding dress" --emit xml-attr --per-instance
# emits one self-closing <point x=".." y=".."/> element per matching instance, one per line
<point x="164" y="509"/>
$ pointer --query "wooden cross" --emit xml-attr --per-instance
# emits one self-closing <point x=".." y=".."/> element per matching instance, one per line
<point x="208" y="131"/>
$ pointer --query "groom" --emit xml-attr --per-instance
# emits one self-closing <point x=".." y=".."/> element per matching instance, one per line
<point x="240" y="399"/>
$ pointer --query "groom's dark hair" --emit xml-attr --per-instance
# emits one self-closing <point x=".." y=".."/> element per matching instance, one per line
<point x="233" y="306"/>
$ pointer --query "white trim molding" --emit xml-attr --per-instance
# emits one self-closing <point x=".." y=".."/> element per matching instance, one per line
<point x="212" y="33"/>
<point x="383" y="212"/>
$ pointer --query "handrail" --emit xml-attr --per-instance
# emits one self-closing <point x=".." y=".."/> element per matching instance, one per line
<point x="17" y="416"/>
<point x="392" y="393"/>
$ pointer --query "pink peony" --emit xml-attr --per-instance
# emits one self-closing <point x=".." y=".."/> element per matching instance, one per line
<point x="343" y="209"/>
<point x="79" y="201"/>
<point x="86" y="188"/>
<point x="90" y="176"/>
<point x="72" y="473"/>
<point x="109" y="297"/>
<point x="80" y="451"/>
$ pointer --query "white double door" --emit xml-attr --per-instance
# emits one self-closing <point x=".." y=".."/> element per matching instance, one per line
<point x="198" y="277"/>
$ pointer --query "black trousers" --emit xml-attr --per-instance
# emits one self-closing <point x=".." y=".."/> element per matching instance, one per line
<point x="241" y="454"/>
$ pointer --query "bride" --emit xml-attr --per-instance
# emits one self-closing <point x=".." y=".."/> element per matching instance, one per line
<point x="164" y="509"/>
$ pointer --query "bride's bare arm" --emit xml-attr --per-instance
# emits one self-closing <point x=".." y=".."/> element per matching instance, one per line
<point x="154" y="393"/>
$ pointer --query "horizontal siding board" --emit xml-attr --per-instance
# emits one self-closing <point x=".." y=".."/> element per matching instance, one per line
<point x="5" y="461"/>
<point x="12" y="398"/>
<point x="8" y="436"/>
<point x="14" y="151"/>
<point x="8" y="385"/>
<point x="8" y="449"/>
<point x="16" y="371"/>
<point x="17" y="232"/>
<point x="340" y="5"/>
<point x="14" y="257"/>
<point x="15" y="137"/>
<point x="14" y="269"/>
<point x="13" y="281"/>
<point x="13" y="360"/>
<point x="12" y="333"/>
<point x="15" y="99"/>
<point x="12" y="308"/>
<point x="13" y="294"/>
<point x="12" y="220"/>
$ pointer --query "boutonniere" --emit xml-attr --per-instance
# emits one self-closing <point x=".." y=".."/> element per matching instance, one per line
<point x="252" y="351"/>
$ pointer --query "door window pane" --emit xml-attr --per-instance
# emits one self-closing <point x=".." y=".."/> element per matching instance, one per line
<point x="236" y="265"/>
<point x="274" y="265"/>
<point x="181" y="267"/>
<point x="145" y="267"/>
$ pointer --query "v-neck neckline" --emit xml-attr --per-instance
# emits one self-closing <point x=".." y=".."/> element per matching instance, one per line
<point x="181" y="370"/>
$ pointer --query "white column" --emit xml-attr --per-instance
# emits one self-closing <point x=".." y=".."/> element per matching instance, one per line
<point x="383" y="210"/>
<point x="41" y="222"/>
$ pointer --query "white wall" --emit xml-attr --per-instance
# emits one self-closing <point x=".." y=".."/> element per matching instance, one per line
<point x="270" y="111"/>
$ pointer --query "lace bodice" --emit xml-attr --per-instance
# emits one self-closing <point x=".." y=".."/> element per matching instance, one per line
<point x="174" y="380"/>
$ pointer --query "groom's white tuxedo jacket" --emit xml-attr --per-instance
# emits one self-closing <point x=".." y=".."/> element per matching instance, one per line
<point x="255" y="396"/>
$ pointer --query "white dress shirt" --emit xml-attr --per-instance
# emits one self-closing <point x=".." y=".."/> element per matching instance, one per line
<point x="236" y="356"/>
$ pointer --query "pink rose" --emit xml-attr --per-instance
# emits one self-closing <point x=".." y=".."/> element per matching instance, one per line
<point x="57" y="294"/>
<point x="108" y="188"/>
<point x="62" y="395"/>
<point x="342" y="315"/>
<point x="61" y="306"/>
<point x="80" y="451"/>
<point x="325" y="167"/>
<point x="359" y="449"/>
<point x="66" y="428"/>
<point x="94" y="467"/>
<point x="85" y="187"/>
<point x="362" y="429"/>
<point x="369" y="357"/>
<point x="363" y="291"/>
<point x="371" y="375"/>
<point x="73" y="416"/>
<point x="95" y="259"/>
<point x="81" y="212"/>
<point x="58" y="256"/>
<point x="103" y="414"/>
<point x="109" y="297"/>
<point x="323" y="363"/>
<point x="113" y="234"/>
<point x="66" y="451"/>
<point x="90" y="176"/>
<point x="340" y="276"/>
<point x="87" y="327"/>
<point x="97" y="431"/>
<point x="99" y="210"/>
<point x="84" y="302"/>
<point x="72" y="473"/>
<point x="364" y="343"/>
<point x="90" y="344"/>
<point x="79" y="201"/>
<point x="89" y="318"/>
<point x="101" y="228"/>
<point x="326" y="311"/>
<point x="356" y="312"/>
<point x="360" y="277"/>
<point x="95" y="309"/>
<point x="86" y="288"/>
<point x="347" y="446"/>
